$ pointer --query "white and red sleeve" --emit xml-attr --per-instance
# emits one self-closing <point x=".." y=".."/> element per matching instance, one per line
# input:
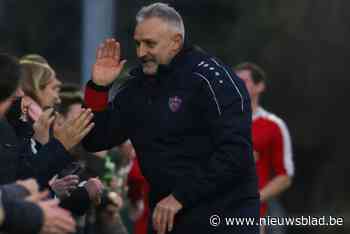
<point x="282" y="155"/>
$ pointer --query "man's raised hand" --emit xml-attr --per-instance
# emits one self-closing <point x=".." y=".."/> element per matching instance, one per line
<point x="108" y="65"/>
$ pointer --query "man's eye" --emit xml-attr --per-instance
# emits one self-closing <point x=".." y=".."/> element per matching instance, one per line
<point x="151" y="44"/>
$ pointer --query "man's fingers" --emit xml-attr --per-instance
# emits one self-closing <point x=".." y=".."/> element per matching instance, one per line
<point x="99" y="52"/>
<point x="107" y="49"/>
<point x="86" y="121"/>
<point x="58" y="220"/>
<point x="121" y="64"/>
<point x="76" y="122"/>
<point x="51" y="230"/>
<point x="117" y="51"/>
<point x="71" y="187"/>
<point x="159" y="220"/>
<point x="97" y="184"/>
<point x="65" y="216"/>
<point x="71" y="178"/>
<point x="170" y="222"/>
<point x="52" y="202"/>
<point x="163" y="221"/>
<point x="80" y="116"/>
<point x="155" y="219"/>
<point x="83" y="120"/>
<point x="53" y="179"/>
<point x="72" y="184"/>
<point x="96" y="180"/>
<point x="65" y="222"/>
<point x="86" y="131"/>
<point x="68" y="182"/>
<point x="62" y="227"/>
<point x="38" y="197"/>
<point x="46" y="117"/>
<point x="59" y="183"/>
<point x="111" y="49"/>
<point x="104" y="49"/>
<point x="166" y="220"/>
<point x="72" y="121"/>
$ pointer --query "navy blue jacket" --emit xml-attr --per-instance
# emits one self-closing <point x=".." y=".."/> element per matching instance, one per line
<point x="191" y="128"/>
<point x="15" y="165"/>
<point x="19" y="164"/>
<point x="20" y="216"/>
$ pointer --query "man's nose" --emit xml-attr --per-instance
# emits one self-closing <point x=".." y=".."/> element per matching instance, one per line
<point x="141" y="51"/>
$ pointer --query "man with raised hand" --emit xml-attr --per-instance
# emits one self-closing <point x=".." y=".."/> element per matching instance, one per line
<point x="189" y="119"/>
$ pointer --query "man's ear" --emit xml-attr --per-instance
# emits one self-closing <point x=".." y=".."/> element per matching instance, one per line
<point x="177" y="42"/>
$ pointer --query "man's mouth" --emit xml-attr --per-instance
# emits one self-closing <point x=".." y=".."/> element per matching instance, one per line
<point x="147" y="62"/>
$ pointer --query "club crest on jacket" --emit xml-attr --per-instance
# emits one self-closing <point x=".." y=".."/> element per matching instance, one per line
<point x="175" y="103"/>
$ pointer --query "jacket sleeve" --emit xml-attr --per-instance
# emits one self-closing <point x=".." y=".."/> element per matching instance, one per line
<point x="226" y="108"/>
<point x="50" y="160"/>
<point x="13" y="191"/>
<point x="108" y="131"/>
<point x="21" y="217"/>
<point x="281" y="148"/>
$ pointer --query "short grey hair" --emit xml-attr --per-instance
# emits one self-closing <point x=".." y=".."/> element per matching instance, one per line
<point x="164" y="12"/>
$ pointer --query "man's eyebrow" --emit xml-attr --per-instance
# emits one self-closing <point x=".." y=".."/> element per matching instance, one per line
<point x="144" y="39"/>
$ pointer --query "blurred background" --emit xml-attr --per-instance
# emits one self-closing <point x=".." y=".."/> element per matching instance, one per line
<point x="303" y="45"/>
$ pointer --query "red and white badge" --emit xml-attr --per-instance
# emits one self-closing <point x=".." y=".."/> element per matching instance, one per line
<point x="175" y="103"/>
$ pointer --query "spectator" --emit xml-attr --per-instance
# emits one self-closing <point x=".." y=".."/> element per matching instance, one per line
<point x="271" y="140"/>
<point x="21" y="216"/>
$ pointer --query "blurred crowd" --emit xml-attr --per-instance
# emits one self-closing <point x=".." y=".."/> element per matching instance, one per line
<point x="49" y="183"/>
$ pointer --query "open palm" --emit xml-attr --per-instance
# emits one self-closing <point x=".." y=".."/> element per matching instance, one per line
<point x="108" y="65"/>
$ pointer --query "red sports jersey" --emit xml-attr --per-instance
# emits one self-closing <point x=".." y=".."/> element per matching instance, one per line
<point x="272" y="149"/>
